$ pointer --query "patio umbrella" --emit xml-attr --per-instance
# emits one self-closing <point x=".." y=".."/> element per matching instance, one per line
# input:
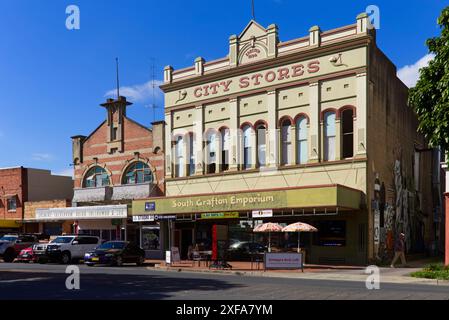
<point x="299" y="227"/>
<point x="268" y="227"/>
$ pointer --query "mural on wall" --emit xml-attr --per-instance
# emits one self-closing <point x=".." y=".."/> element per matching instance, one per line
<point x="400" y="214"/>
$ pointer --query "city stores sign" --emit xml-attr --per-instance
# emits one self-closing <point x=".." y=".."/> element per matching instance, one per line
<point x="326" y="196"/>
<point x="264" y="78"/>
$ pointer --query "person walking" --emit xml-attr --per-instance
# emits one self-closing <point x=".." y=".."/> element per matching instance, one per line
<point x="399" y="250"/>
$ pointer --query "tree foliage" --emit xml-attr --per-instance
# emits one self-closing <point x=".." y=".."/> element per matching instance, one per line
<point x="430" y="96"/>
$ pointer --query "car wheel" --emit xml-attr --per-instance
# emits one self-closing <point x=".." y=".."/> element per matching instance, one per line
<point x="140" y="261"/>
<point x="119" y="261"/>
<point x="9" y="256"/>
<point x="65" y="258"/>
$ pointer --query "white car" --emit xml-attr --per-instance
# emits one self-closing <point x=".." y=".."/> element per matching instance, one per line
<point x="64" y="249"/>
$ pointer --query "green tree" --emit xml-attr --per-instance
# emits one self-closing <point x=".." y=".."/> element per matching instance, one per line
<point x="430" y="96"/>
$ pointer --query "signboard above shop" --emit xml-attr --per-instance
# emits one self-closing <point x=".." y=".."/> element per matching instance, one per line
<point x="220" y="215"/>
<point x="262" y="213"/>
<point x="331" y="196"/>
<point x="79" y="213"/>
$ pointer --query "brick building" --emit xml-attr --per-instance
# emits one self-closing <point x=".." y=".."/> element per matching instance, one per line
<point x="19" y="185"/>
<point x="121" y="160"/>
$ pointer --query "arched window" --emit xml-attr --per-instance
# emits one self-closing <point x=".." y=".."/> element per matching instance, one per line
<point x="347" y="125"/>
<point x="96" y="177"/>
<point x="329" y="136"/>
<point x="211" y="152"/>
<point x="301" y="140"/>
<point x="225" y="146"/>
<point x="261" y="136"/>
<point x="179" y="157"/>
<point x="286" y="142"/>
<point x="138" y="172"/>
<point x="191" y="154"/>
<point x="247" y="147"/>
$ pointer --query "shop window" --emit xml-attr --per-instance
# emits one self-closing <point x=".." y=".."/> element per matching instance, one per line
<point x="225" y="146"/>
<point x="329" y="136"/>
<point x="301" y="140"/>
<point x="211" y="152"/>
<point x="347" y="124"/>
<point x="12" y="204"/>
<point x="179" y="157"/>
<point x="191" y="149"/>
<point x="331" y="233"/>
<point x="96" y="177"/>
<point x="261" y="131"/>
<point x="286" y="142"/>
<point x="246" y="147"/>
<point x="138" y="172"/>
<point x="150" y="238"/>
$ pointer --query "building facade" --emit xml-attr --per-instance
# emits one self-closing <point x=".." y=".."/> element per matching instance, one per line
<point x="118" y="162"/>
<point x="20" y="185"/>
<point x="315" y="129"/>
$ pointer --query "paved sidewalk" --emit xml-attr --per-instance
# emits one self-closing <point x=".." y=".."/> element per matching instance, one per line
<point x="313" y="272"/>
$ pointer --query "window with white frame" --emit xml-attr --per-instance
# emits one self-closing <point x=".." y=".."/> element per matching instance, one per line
<point x="247" y="147"/>
<point x="225" y="147"/>
<point x="261" y="135"/>
<point x="347" y="127"/>
<point x="286" y="142"/>
<point x="211" y="152"/>
<point x="191" y="155"/>
<point x="179" y="157"/>
<point x="301" y="141"/>
<point x="329" y="136"/>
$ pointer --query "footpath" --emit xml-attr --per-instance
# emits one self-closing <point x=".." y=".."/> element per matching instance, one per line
<point x="399" y="275"/>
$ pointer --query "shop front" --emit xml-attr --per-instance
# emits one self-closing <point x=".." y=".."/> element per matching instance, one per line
<point x="223" y="223"/>
<point x="9" y="226"/>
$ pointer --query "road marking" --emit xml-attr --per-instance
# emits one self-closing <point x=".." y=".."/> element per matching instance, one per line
<point x="23" y="280"/>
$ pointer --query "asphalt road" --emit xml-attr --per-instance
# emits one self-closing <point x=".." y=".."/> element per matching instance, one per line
<point x="47" y="282"/>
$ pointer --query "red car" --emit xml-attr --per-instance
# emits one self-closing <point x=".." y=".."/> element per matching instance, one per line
<point x="26" y="255"/>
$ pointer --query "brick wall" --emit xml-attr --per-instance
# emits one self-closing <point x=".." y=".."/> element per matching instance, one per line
<point x="31" y="206"/>
<point x="12" y="183"/>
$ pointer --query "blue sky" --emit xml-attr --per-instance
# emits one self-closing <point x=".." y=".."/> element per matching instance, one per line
<point x="53" y="79"/>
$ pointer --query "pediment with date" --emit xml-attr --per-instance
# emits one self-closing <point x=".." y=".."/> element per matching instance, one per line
<point x="255" y="43"/>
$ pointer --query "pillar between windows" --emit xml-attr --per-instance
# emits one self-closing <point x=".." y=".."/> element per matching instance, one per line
<point x="234" y="136"/>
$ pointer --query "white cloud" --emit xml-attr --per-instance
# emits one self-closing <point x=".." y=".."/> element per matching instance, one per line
<point x="140" y="93"/>
<point x="65" y="172"/>
<point x="409" y="74"/>
<point x="42" y="156"/>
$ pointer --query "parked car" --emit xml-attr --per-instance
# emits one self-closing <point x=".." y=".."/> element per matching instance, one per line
<point x="11" y="245"/>
<point x="65" y="249"/>
<point x="242" y="250"/>
<point x="26" y="255"/>
<point x="115" y="253"/>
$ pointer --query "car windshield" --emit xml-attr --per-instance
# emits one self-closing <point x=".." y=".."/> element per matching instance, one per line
<point x="112" y="245"/>
<point x="8" y="238"/>
<point x="62" y="240"/>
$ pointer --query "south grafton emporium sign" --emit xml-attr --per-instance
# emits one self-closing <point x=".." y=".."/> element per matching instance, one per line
<point x="325" y="196"/>
<point x="265" y="78"/>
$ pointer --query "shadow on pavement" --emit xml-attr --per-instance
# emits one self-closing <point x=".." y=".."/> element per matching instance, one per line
<point x="51" y="286"/>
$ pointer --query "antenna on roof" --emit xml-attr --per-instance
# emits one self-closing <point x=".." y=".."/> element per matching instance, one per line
<point x="153" y="86"/>
<point x="252" y="7"/>
<point x="118" y="80"/>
